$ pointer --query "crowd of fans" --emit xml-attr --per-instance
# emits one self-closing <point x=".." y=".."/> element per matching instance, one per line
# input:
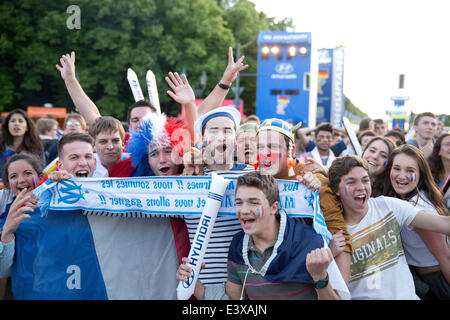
<point x="387" y="208"/>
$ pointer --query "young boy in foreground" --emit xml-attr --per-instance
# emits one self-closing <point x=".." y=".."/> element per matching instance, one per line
<point x="274" y="256"/>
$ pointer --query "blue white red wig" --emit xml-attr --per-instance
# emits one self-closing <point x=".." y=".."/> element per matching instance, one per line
<point x="155" y="131"/>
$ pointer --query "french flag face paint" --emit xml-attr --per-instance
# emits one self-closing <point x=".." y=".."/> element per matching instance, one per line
<point x="273" y="156"/>
<point x="260" y="212"/>
<point x="346" y="191"/>
<point x="412" y="177"/>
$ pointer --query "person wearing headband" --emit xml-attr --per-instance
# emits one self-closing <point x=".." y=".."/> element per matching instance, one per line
<point x="275" y="144"/>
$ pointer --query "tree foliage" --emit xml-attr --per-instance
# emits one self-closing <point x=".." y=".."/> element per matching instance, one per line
<point x="246" y="23"/>
<point x="350" y="107"/>
<point x="114" y="35"/>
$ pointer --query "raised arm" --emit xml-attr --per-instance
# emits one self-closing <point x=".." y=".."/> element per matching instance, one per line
<point x="302" y="134"/>
<point x="216" y="97"/>
<point x="437" y="244"/>
<point x="82" y="102"/>
<point x="183" y="94"/>
<point x="432" y="222"/>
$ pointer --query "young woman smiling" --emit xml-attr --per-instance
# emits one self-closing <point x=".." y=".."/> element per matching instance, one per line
<point x="377" y="154"/>
<point x="427" y="253"/>
<point x="20" y="176"/>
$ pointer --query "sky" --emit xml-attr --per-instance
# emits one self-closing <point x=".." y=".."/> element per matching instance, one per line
<point x="381" y="40"/>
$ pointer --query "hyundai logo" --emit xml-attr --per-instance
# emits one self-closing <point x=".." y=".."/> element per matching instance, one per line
<point x="189" y="281"/>
<point x="284" y="68"/>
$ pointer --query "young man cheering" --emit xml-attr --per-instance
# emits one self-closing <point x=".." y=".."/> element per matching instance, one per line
<point x="379" y="269"/>
<point x="273" y="256"/>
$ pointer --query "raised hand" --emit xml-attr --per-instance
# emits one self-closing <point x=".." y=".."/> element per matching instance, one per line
<point x="232" y="68"/>
<point x="67" y="67"/>
<point x="56" y="176"/>
<point x="184" y="271"/>
<point x="314" y="167"/>
<point x="310" y="180"/>
<point x="427" y="148"/>
<point x="26" y="201"/>
<point x="181" y="90"/>
<point x="193" y="162"/>
<point x="337" y="244"/>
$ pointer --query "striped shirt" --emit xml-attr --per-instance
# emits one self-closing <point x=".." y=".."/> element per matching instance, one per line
<point x="225" y="227"/>
<point x="257" y="287"/>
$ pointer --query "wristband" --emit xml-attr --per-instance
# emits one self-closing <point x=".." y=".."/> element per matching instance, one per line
<point x="223" y="86"/>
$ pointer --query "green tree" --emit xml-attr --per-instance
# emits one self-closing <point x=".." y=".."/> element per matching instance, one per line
<point x="246" y="23"/>
<point x="114" y="35"/>
<point x="354" y="110"/>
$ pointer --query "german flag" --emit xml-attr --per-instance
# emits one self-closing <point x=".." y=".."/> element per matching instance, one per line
<point x="323" y="74"/>
<point x="283" y="99"/>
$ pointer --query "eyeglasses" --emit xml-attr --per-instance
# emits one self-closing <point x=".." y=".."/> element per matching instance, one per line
<point x="73" y="123"/>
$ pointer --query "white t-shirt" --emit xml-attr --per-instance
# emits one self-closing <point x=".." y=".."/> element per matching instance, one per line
<point x="378" y="267"/>
<point x="100" y="170"/>
<point x="416" y="252"/>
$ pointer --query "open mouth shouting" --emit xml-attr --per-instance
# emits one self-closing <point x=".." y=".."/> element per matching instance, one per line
<point x="81" y="173"/>
<point x="248" y="222"/>
<point x="360" y="200"/>
<point x="23" y="187"/>
<point x="221" y="148"/>
<point x="165" y="170"/>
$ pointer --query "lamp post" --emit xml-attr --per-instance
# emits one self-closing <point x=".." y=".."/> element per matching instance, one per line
<point x="203" y="80"/>
<point x="237" y="89"/>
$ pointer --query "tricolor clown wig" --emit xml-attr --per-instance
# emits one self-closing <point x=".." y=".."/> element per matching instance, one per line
<point x="156" y="131"/>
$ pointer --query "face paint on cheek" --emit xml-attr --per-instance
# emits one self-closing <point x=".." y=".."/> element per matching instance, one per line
<point x="34" y="183"/>
<point x="260" y="212"/>
<point x="384" y="164"/>
<point x="346" y="191"/>
<point x="412" y="177"/>
<point x="273" y="156"/>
